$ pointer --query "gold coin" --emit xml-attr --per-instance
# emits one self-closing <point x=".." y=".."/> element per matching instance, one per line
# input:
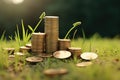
<point x="83" y="64"/>
<point x="28" y="45"/>
<point x="19" y="54"/>
<point x="34" y="59"/>
<point x="62" y="54"/>
<point x="88" y="55"/>
<point x="9" y="50"/>
<point x="45" y="55"/>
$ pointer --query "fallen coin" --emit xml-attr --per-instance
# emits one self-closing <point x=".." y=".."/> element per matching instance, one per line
<point x="54" y="72"/>
<point x="83" y="64"/>
<point x="34" y="59"/>
<point x="29" y="45"/>
<point x="19" y="54"/>
<point x="51" y="72"/>
<point x="62" y="54"/>
<point x="11" y="57"/>
<point x="24" y="49"/>
<point x="45" y="55"/>
<point x="10" y="50"/>
<point x="88" y="55"/>
<point x="62" y="71"/>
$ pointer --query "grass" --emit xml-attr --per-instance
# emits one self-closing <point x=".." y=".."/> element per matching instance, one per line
<point x="105" y="67"/>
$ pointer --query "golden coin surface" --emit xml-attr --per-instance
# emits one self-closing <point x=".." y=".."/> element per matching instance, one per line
<point x="9" y="50"/>
<point x="62" y="71"/>
<point x="83" y="64"/>
<point x="51" y="72"/>
<point x="19" y="53"/>
<point x="54" y="72"/>
<point x="24" y="48"/>
<point x="62" y="54"/>
<point x="88" y="55"/>
<point x="45" y="55"/>
<point x="34" y="59"/>
<point x="28" y="45"/>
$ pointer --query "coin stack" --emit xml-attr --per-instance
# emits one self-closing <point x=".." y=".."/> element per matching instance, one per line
<point x="75" y="51"/>
<point x="38" y="42"/>
<point x="64" y="44"/>
<point x="52" y="33"/>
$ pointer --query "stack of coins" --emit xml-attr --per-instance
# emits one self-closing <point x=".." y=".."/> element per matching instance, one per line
<point x="52" y="32"/>
<point x="38" y="42"/>
<point x="75" y="51"/>
<point x="64" y="44"/>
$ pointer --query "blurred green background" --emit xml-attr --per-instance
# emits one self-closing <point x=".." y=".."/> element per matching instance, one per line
<point x="97" y="16"/>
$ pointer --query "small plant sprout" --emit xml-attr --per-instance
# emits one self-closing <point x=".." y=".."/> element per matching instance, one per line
<point x="41" y="18"/>
<point x="25" y="34"/>
<point x="74" y="25"/>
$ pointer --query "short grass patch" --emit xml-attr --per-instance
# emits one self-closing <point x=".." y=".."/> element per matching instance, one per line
<point x="105" y="67"/>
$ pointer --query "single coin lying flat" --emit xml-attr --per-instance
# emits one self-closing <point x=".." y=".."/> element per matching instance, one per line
<point x="24" y="48"/>
<point x="19" y="54"/>
<point x="88" y="55"/>
<point x="62" y="54"/>
<point x="54" y="72"/>
<point x="11" y="57"/>
<point x="83" y="64"/>
<point x="28" y="45"/>
<point x="9" y="50"/>
<point x="45" y="55"/>
<point x="34" y="59"/>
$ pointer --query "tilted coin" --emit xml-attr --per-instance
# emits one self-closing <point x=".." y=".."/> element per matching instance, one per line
<point x="62" y="71"/>
<point x="88" y="55"/>
<point x="51" y="72"/>
<point x="19" y="54"/>
<point x="83" y="64"/>
<point x="9" y="50"/>
<point x="54" y="72"/>
<point x="28" y="45"/>
<point x="45" y="55"/>
<point x="34" y="59"/>
<point x="62" y="54"/>
<point x="24" y="49"/>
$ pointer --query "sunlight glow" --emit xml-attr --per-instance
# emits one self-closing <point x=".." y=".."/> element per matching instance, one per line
<point x="14" y="1"/>
<point x="17" y="1"/>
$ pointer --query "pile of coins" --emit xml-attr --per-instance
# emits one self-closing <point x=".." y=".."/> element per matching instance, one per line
<point x="63" y="44"/>
<point x="52" y="33"/>
<point x="38" y="42"/>
<point x="75" y="51"/>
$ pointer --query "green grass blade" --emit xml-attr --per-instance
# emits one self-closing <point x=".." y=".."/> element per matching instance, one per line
<point x="74" y="25"/>
<point x="42" y="15"/>
<point x="23" y="30"/>
<point x="74" y="33"/>
<point x="3" y="36"/>
<point x="30" y="28"/>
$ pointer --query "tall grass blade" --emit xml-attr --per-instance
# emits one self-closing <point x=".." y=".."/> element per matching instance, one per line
<point x="74" y="25"/>
<point x="74" y="33"/>
<point x="3" y="36"/>
<point x="23" y="30"/>
<point x="30" y="28"/>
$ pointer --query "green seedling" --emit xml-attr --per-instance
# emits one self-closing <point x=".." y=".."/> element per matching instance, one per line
<point x="74" y="25"/>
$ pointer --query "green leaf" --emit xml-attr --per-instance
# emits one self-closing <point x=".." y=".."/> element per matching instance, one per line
<point x="23" y="29"/>
<point x="76" y="23"/>
<point x="30" y="28"/>
<point x="42" y="15"/>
